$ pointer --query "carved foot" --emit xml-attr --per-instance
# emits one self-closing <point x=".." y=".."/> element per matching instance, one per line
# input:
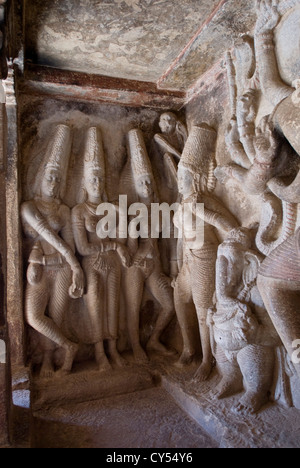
<point x="203" y="372"/>
<point x="69" y="358"/>
<point x="157" y="347"/>
<point x="186" y="359"/>
<point x="228" y="387"/>
<point x="118" y="360"/>
<point x="140" y="356"/>
<point x="251" y="403"/>
<point x="103" y="364"/>
<point x="47" y="370"/>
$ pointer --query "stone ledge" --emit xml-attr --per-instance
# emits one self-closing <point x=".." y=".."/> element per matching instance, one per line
<point x="88" y="385"/>
<point x="273" y="427"/>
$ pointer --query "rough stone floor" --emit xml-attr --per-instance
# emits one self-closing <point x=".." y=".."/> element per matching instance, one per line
<point x="146" y="419"/>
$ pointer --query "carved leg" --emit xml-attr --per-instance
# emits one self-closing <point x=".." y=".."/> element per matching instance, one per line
<point x="36" y="298"/>
<point x="93" y="300"/>
<point x="58" y="305"/>
<point x="183" y="303"/>
<point x="160" y="288"/>
<point x="203" y="288"/>
<point x="232" y="378"/>
<point x="205" y="369"/>
<point x="47" y="369"/>
<point x="113" y="307"/>
<point x="282" y="299"/>
<point x="134" y="281"/>
<point x="101" y="358"/>
<point x="257" y="366"/>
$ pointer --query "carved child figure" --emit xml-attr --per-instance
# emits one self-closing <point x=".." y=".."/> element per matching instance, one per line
<point x="174" y="135"/>
<point x="195" y="283"/>
<point x="101" y="258"/>
<point x="244" y="341"/>
<point x="54" y="273"/>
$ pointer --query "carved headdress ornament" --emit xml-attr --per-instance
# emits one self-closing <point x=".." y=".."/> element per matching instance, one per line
<point x="58" y="150"/>
<point x="94" y="153"/>
<point x="56" y="157"/>
<point x="140" y="162"/>
<point x="199" y="148"/>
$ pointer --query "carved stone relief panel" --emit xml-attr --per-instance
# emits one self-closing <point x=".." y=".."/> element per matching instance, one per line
<point x="232" y="169"/>
<point x="102" y="285"/>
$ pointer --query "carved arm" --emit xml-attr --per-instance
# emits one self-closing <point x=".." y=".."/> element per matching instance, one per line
<point x="33" y="217"/>
<point x="165" y="145"/>
<point x="273" y="87"/>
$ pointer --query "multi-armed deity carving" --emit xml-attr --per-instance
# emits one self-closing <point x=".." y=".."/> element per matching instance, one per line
<point x="263" y="166"/>
<point x="54" y="273"/>
<point x="146" y="270"/>
<point x="279" y="274"/>
<point x="101" y="258"/>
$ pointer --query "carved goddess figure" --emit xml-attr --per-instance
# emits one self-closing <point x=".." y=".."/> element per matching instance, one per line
<point x="146" y="270"/>
<point x="196" y="280"/>
<point x="53" y="273"/>
<point x="101" y="258"/>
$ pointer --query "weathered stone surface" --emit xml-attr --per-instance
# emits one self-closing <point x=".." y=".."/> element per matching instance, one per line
<point x="135" y="39"/>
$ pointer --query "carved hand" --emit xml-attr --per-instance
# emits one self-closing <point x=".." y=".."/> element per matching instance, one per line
<point x="268" y="16"/>
<point x="124" y="255"/>
<point x="265" y="143"/>
<point x="245" y="109"/>
<point x="139" y="260"/>
<point x="232" y="134"/>
<point x="77" y="287"/>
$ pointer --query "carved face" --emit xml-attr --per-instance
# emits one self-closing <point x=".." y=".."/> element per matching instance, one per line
<point x="144" y="187"/>
<point x="186" y="186"/>
<point x="51" y="183"/>
<point x="167" y="124"/>
<point x="94" y="183"/>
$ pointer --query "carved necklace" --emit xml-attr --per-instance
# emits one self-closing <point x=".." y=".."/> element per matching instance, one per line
<point x="48" y="206"/>
<point x="92" y="207"/>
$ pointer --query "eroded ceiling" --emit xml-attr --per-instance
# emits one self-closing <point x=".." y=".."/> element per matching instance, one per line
<point x="169" y="42"/>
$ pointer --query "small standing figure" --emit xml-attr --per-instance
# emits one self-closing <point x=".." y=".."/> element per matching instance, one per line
<point x="196" y="279"/>
<point x="171" y="144"/>
<point x="52" y="262"/>
<point x="173" y="137"/>
<point x="146" y="269"/>
<point x="101" y="258"/>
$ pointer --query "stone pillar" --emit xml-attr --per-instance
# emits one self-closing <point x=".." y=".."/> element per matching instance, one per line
<point x="15" y="320"/>
<point x="4" y="397"/>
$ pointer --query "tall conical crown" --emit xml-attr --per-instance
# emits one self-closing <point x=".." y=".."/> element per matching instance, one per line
<point x="198" y="150"/>
<point x="56" y="157"/>
<point x="58" y="150"/>
<point x="94" y="153"/>
<point x="140" y="162"/>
